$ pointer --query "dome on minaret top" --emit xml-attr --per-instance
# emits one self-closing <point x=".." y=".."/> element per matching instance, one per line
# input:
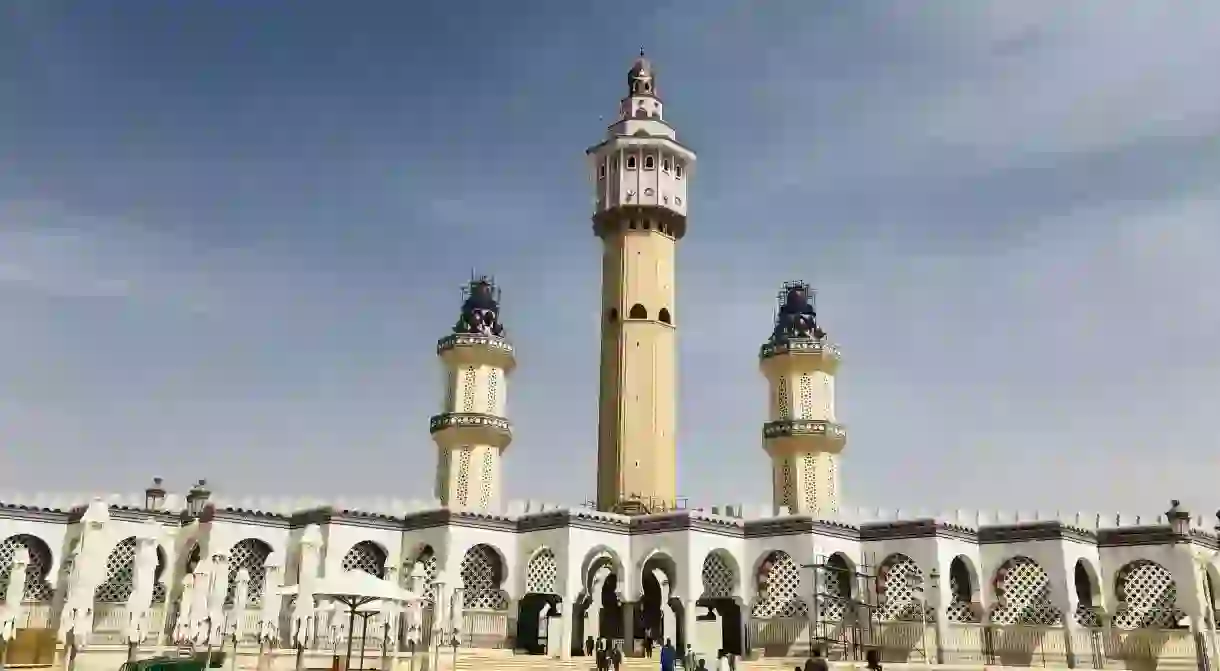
<point x="796" y="317"/>
<point x="480" y="309"/>
<point x="641" y="79"/>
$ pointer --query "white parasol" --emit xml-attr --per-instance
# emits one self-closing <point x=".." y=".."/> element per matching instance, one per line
<point x="10" y="613"/>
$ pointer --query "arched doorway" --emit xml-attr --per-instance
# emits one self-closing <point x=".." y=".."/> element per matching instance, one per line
<point x="719" y="598"/>
<point x="540" y="603"/>
<point x="659" y="615"/>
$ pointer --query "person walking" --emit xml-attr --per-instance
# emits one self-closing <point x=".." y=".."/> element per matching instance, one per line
<point x="589" y="644"/>
<point x="648" y="643"/>
<point x="669" y="656"/>
<point x="722" y="660"/>
<point x="616" y="657"/>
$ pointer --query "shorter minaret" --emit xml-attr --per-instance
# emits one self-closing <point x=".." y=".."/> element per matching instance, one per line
<point x="472" y="432"/>
<point x="801" y="435"/>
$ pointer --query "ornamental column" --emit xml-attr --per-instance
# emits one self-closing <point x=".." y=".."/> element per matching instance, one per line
<point x="801" y="435"/>
<point x="472" y="431"/>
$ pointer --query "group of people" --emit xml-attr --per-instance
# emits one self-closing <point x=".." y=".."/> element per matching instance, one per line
<point x="609" y="656"/>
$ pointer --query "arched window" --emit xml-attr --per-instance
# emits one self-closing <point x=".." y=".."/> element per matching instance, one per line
<point x="631" y="163"/>
<point x="638" y="312"/>
<point x="650" y="162"/>
<point x="663" y="315"/>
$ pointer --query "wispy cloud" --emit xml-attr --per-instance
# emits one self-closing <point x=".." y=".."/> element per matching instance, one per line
<point x="1008" y="207"/>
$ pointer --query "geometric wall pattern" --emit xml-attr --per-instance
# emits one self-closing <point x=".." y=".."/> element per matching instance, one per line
<point x="365" y="556"/>
<point x="1023" y="595"/>
<point x="719" y="578"/>
<point x="961" y="608"/>
<point x="250" y="554"/>
<point x="778" y="585"/>
<point x="36" y="586"/>
<point x="834" y="588"/>
<point x="120" y="573"/>
<point x="542" y="574"/>
<point x="1147" y="596"/>
<point x="482" y="574"/>
<point x="898" y="579"/>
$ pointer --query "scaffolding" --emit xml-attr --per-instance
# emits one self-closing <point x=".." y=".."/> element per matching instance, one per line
<point x="853" y="596"/>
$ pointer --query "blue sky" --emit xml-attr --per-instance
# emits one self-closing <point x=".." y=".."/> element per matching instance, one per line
<point x="231" y="233"/>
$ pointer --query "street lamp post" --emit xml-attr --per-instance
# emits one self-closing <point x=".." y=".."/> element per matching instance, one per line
<point x="915" y="584"/>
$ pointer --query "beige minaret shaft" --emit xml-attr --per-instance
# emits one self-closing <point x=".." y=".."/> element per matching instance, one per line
<point x="802" y="435"/>
<point x="641" y="174"/>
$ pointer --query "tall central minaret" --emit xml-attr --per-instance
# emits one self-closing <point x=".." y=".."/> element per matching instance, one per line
<point x="641" y="174"/>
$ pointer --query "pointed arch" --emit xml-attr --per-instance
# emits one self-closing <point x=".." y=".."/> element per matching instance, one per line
<point x="483" y="573"/>
<point x="777" y="583"/>
<point x="367" y="556"/>
<point x="963" y="591"/>
<point x="1088" y="594"/>
<point x="900" y="581"/>
<point x="120" y="573"/>
<point x="1148" y="595"/>
<point x="250" y="554"/>
<point x="638" y="311"/>
<point x="37" y="587"/>
<point x="1023" y="594"/>
<point x="720" y="575"/>
<point x="542" y="572"/>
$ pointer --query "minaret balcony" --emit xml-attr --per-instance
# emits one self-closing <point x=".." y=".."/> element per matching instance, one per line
<point x="477" y="349"/>
<point x="832" y="434"/>
<point x="472" y="428"/>
<point x="800" y="347"/>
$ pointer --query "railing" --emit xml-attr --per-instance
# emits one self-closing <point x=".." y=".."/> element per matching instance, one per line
<point x="1013" y="645"/>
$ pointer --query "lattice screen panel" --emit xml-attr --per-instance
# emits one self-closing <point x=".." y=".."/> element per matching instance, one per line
<point x="1087" y="616"/>
<point x="36" y="586"/>
<point x="1147" y="595"/>
<point x="431" y="568"/>
<point x="899" y="600"/>
<point x="834" y="589"/>
<point x="365" y="556"/>
<point x="489" y="465"/>
<point x="468" y="380"/>
<point x="960" y="608"/>
<point x="463" y="476"/>
<point x="481" y="577"/>
<point x="719" y="579"/>
<point x="785" y="400"/>
<point x="120" y="573"/>
<point x="806" y="389"/>
<point x="780" y="579"/>
<point x="1023" y="592"/>
<point x="542" y="574"/>
<point x="249" y="554"/>
<point x="493" y="388"/>
<point x="809" y="481"/>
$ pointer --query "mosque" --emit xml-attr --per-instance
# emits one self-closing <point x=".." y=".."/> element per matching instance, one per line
<point x="1082" y="591"/>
